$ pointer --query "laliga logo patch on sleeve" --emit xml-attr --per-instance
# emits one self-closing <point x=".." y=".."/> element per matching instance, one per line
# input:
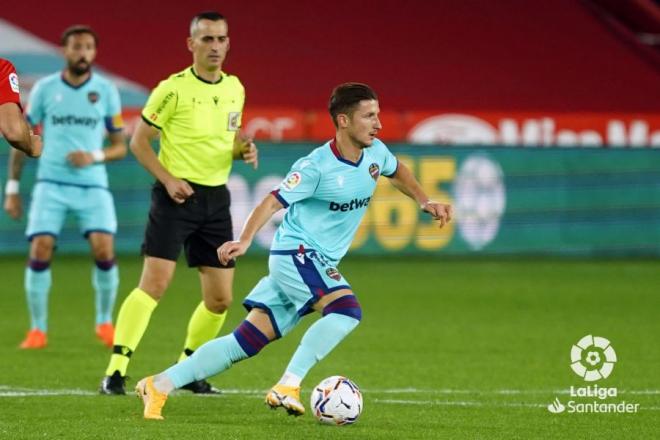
<point x="292" y="180"/>
<point x="13" y="82"/>
<point x="233" y="121"/>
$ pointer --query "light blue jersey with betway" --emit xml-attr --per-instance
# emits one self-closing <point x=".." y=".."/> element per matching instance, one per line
<point x="73" y="118"/>
<point x="327" y="196"/>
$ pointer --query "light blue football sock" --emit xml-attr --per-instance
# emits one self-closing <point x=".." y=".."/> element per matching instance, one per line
<point x="319" y="340"/>
<point x="37" y="287"/>
<point x="105" y="282"/>
<point x="208" y="360"/>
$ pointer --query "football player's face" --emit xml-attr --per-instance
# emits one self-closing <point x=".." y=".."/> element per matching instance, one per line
<point x="364" y="124"/>
<point x="79" y="52"/>
<point x="209" y="43"/>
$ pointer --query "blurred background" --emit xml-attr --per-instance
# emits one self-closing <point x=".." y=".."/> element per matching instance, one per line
<point x="539" y="121"/>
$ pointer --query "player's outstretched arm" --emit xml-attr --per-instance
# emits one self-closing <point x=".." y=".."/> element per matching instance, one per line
<point x="255" y="221"/>
<point x="405" y="181"/>
<point x="178" y="190"/>
<point x="16" y="130"/>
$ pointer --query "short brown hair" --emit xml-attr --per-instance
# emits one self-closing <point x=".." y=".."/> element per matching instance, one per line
<point x="78" y="29"/>
<point x="208" y="15"/>
<point x="345" y="97"/>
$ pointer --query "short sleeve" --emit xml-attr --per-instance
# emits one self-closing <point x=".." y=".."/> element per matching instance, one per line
<point x="9" y="89"/>
<point x="35" y="106"/>
<point x="299" y="184"/>
<point x="113" y="119"/>
<point x="390" y="162"/>
<point x="242" y="95"/>
<point x="160" y="105"/>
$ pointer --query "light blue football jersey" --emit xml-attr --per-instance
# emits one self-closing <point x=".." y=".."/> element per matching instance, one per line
<point x="327" y="196"/>
<point x="73" y="118"/>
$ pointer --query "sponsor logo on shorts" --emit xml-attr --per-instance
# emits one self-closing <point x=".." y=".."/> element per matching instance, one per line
<point x="333" y="273"/>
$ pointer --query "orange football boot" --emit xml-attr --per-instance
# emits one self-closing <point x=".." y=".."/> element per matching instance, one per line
<point x="34" y="340"/>
<point x="152" y="399"/>
<point x="287" y="397"/>
<point x="106" y="333"/>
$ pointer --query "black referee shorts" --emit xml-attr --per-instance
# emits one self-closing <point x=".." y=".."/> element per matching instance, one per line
<point x="200" y="224"/>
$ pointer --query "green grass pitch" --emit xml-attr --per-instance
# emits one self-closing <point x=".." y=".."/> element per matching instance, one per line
<point x="473" y="348"/>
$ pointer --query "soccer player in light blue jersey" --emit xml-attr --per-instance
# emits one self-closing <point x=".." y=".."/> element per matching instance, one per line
<point x="327" y="194"/>
<point x="75" y="108"/>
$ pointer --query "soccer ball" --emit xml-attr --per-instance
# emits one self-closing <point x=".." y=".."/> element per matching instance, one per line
<point x="336" y="401"/>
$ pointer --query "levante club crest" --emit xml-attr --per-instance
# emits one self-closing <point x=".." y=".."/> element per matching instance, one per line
<point x="374" y="170"/>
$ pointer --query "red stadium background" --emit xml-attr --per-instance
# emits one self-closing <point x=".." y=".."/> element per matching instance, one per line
<point x="535" y="73"/>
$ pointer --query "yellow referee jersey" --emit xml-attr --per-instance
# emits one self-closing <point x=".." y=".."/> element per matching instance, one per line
<point x="198" y="121"/>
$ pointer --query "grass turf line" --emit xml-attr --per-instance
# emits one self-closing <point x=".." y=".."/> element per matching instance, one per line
<point x="429" y="324"/>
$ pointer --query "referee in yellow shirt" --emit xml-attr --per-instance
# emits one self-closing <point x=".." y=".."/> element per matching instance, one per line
<point x="198" y="114"/>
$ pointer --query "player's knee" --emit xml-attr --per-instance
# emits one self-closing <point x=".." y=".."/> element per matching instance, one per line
<point x="154" y="287"/>
<point x="102" y="245"/>
<point x="250" y="338"/>
<point x="218" y="305"/>
<point x="41" y="248"/>
<point x="104" y="253"/>
<point x="346" y="305"/>
<point x="155" y="282"/>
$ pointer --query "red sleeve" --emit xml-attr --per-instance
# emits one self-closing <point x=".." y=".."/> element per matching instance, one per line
<point x="9" y="91"/>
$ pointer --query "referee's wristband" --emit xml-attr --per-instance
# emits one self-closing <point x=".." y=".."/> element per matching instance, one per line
<point x="11" y="187"/>
<point x="97" y="155"/>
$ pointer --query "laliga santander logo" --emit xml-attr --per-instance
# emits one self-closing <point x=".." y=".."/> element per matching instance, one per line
<point x="593" y="358"/>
